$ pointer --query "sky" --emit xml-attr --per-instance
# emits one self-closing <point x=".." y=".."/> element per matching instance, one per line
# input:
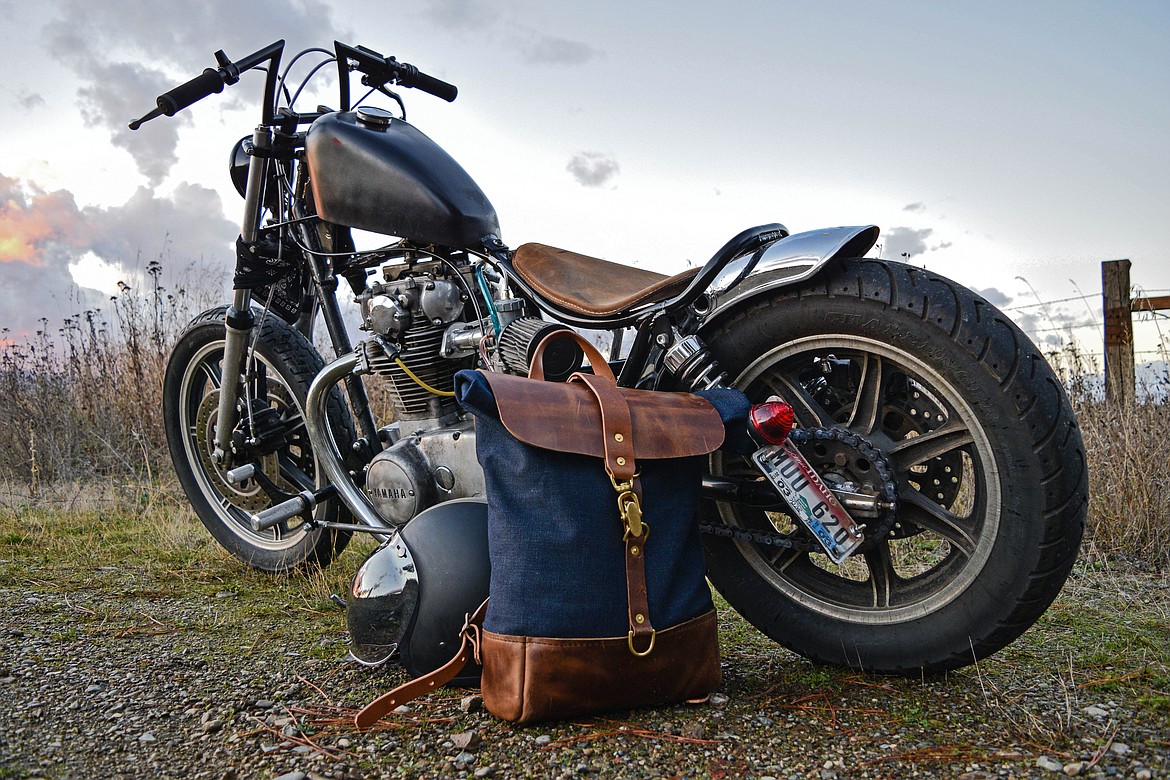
<point x="1009" y="146"/>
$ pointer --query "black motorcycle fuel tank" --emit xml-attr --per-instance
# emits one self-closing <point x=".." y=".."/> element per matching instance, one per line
<point x="373" y="172"/>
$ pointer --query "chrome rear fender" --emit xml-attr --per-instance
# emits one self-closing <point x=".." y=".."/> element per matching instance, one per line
<point x="790" y="260"/>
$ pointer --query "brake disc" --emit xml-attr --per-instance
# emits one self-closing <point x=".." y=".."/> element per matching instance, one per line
<point x="247" y="495"/>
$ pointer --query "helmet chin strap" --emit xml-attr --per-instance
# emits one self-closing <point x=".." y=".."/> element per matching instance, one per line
<point x="388" y="702"/>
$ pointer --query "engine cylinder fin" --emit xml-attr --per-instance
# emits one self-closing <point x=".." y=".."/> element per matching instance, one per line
<point x="420" y="352"/>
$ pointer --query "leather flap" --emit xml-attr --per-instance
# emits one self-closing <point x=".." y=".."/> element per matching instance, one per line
<point x="565" y="417"/>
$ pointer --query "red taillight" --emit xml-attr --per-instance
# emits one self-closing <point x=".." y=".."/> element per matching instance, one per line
<point x="772" y="420"/>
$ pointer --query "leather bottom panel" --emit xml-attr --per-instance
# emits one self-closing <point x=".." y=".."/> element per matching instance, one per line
<point x="527" y="679"/>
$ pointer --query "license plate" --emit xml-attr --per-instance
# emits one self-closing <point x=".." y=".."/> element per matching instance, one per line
<point x="810" y="499"/>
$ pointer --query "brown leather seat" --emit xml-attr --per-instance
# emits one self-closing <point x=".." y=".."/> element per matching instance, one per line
<point x="591" y="286"/>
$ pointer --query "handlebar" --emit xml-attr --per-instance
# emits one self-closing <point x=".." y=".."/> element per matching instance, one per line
<point x="211" y="81"/>
<point x="378" y="71"/>
<point x="172" y="102"/>
<point x="432" y="86"/>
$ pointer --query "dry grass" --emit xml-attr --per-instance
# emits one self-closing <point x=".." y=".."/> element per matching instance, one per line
<point x="1129" y="479"/>
<point x="1129" y="473"/>
<point x="82" y="402"/>
<point x="82" y="407"/>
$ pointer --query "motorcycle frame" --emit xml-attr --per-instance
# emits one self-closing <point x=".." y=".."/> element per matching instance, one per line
<point x="753" y="262"/>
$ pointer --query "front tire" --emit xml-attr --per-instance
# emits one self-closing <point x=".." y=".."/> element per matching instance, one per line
<point x="288" y="364"/>
<point x="985" y="449"/>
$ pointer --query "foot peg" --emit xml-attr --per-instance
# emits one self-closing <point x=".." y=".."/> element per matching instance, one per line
<point x="300" y="504"/>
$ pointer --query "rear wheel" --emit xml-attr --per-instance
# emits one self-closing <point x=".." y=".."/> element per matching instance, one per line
<point x="272" y="436"/>
<point x="984" y="449"/>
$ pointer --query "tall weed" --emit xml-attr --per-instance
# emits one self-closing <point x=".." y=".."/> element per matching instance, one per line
<point x="82" y="407"/>
<point x="82" y="403"/>
<point x="1126" y="445"/>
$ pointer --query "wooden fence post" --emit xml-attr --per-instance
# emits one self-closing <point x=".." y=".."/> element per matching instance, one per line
<point x="1118" y="309"/>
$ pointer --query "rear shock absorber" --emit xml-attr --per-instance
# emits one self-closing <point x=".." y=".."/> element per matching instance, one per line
<point x="693" y="365"/>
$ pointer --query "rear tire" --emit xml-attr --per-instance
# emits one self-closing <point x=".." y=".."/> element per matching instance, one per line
<point x="987" y="455"/>
<point x="190" y="405"/>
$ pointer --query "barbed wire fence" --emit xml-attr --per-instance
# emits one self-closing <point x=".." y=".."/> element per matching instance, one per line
<point x="1112" y="315"/>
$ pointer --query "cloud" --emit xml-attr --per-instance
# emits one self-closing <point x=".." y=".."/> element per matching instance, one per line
<point x="27" y="226"/>
<point x="483" y="19"/>
<point x="121" y="90"/>
<point x="125" y="54"/>
<point x="592" y="169"/>
<point x="915" y="207"/>
<point x="907" y="242"/>
<point x="460" y="15"/>
<point x="903" y="241"/>
<point x="152" y="32"/>
<point x="29" y="100"/>
<point x="46" y="232"/>
<point x="540" y="49"/>
<point x="995" y="296"/>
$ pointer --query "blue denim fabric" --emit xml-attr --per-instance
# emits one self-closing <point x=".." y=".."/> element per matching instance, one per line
<point x="734" y="407"/>
<point x="555" y="535"/>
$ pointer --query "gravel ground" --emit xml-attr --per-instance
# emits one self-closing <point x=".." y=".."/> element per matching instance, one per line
<point x="132" y="646"/>
<point x="99" y="681"/>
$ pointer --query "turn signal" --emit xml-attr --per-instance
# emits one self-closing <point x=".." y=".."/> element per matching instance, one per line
<point x="772" y="420"/>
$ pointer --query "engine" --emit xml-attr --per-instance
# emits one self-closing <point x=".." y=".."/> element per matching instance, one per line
<point x="407" y="318"/>
<point x="423" y="328"/>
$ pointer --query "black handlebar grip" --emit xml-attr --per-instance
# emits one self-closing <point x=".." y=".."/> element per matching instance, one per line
<point x="207" y="83"/>
<point x="430" y="85"/>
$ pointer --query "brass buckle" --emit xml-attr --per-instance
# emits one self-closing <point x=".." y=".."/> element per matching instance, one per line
<point x="631" y="512"/>
<point x="630" y="642"/>
<point x="621" y="487"/>
<point x="645" y="529"/>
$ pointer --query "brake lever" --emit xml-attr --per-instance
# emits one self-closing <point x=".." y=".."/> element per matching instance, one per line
<point x="396" y="98"/>
<point x="137" y="123"/>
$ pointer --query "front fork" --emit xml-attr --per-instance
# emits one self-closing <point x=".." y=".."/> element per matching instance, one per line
<point x="237" y="327"/>
<point x="239" y="321"/>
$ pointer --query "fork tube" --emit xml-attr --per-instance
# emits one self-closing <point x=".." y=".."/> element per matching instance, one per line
<point x="257" y="168"/>
<point x="238" y="324"/>
<point x="239" y="321"/>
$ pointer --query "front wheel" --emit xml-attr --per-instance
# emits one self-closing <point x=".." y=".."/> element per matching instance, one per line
<point x="271" y="435"/>
<point x="975" y="432"/>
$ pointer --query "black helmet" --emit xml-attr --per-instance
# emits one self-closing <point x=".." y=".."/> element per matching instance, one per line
<point x="414" y="593"/>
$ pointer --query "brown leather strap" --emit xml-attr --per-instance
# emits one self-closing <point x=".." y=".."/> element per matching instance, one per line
<point x="599" y="363"/>
<point x="388" y="702"/>
<point x="617" y="429"/>
<point x="618" y="434"/>
<point x="641" y="639"/>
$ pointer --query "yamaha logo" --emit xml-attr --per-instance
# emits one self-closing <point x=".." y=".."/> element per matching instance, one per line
<point x="393" y="493"/>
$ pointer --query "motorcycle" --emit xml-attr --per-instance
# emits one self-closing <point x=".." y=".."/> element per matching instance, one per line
<point x="924" y="415"/>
